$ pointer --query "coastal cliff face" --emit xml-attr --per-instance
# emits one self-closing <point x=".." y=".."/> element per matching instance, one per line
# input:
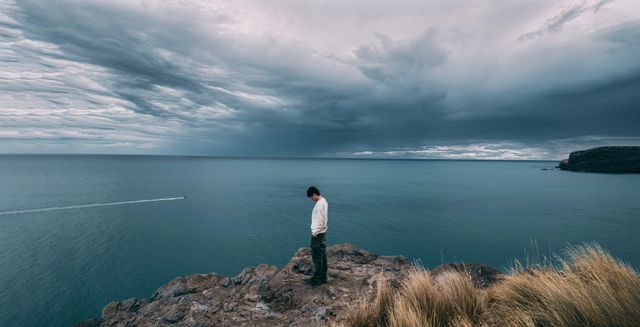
<point x="268" y="296"/>
<point x="608" y="159"/>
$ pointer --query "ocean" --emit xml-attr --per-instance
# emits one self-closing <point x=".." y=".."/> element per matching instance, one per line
<point x="58" y="267"/>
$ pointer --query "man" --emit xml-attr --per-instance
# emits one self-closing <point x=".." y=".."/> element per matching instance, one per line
<point x="319" y="218"/>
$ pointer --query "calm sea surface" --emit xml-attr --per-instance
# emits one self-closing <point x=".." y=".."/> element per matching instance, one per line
<point x="60" y="267"/>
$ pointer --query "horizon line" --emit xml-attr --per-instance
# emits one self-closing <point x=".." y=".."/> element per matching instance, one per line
<point x="264" y="157"/>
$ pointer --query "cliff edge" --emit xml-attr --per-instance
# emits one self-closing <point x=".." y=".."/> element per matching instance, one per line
<point x="268" y="296"/>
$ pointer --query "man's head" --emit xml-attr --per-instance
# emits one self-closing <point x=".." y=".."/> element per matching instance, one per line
<point x="313" y="193"/>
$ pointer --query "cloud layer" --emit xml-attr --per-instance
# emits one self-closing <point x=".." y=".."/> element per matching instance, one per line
<point x="427" y="79"/>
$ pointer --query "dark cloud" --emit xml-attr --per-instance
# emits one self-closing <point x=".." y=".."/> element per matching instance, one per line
<point x="214" y="78"/>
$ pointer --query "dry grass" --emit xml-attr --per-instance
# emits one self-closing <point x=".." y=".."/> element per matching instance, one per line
<point x="372" y="313"/>
<point x="587" y="287"/>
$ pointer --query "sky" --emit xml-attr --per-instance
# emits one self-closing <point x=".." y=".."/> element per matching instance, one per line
<point x="530" y="79"/>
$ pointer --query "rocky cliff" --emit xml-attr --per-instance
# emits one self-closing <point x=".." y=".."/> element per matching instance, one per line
<point x="268" y="296"/>
<point x="607" y="159"/>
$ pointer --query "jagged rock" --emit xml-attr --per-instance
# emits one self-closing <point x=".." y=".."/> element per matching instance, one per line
<point x="267" y="296"/>
<point x="110" y="309"/>
<point x="606" y="159"/>
<point x="176" y="313"/>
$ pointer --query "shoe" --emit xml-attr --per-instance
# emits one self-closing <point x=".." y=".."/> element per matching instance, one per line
<point x="313" y="282"/>
<point x="323" y="280"/>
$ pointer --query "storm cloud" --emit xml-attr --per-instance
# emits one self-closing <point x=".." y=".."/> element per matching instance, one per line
<point x="417" y="79"/>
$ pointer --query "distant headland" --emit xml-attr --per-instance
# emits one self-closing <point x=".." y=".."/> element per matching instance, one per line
<point x="606" y="159"/>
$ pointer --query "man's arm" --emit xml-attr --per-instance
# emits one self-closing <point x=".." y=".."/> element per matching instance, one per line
<point x="325" y="214"/>
<point x="316" y="223"/>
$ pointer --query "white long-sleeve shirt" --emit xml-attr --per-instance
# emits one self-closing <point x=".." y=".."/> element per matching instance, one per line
<point x="320" y="217"/>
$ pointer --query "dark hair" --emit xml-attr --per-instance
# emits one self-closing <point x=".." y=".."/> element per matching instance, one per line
<point x="312" y="190"/>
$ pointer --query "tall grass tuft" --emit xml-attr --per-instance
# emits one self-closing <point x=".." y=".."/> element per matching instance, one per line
<point x="587" y="287"/>
<point x="372" y="313"/>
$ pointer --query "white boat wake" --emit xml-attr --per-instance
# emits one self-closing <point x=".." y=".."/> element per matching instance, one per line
<point x="90" y="205"/>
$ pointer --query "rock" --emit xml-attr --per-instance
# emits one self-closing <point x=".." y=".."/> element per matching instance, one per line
<point x="268" y="296"/>
<point x="110" y="309"/>
<point x="132" y="304"/>
<point x="607" y="159"/>
<point x="176" y="287"/>
<point x="176" y="313"/>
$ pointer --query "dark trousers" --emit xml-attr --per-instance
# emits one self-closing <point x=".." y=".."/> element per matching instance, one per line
<point x="319" y="256"/>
